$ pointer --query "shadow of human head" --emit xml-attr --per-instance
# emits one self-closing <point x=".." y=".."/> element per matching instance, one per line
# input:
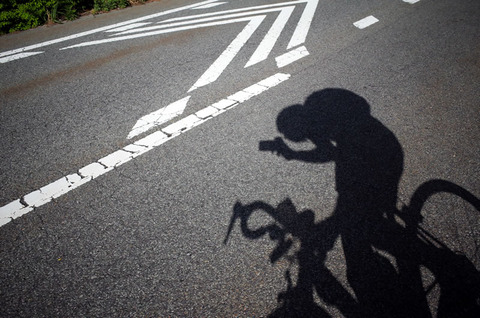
<point x="328" y="113"/>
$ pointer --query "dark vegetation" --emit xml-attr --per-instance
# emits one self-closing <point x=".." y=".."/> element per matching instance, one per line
<point x="18" y="15"/>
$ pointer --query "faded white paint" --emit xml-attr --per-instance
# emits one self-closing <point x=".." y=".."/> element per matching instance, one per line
<point x="158" y="117"/>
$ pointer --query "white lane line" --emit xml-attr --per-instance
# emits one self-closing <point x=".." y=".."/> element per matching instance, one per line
<point x="214" y="71"/>
<point x="108" y="163"/>
<point x="300" y="34"/>
<point x="411" y="1"/>
<point x="291" y="56"/>
<point x="134" y="36"/>
<point x="208" y="6"/>
<point x="366" y="22"/>
<point x="158" y="117"/>
<point x="18" y="56"/>
<point x="116" y="25"/>
<point x="129" y="26"/>
<point x="268" y="42"/>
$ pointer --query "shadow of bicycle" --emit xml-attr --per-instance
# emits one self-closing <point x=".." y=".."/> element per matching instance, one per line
<point x="368" y="165"/>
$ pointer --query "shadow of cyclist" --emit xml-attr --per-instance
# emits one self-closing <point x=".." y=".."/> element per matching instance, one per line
<point x="368" y="166"/>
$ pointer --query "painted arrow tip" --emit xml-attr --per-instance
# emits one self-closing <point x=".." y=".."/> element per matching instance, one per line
<point x="158" y="117"/>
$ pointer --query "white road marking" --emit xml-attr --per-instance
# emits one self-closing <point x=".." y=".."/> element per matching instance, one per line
<point x="116" y="25"/>
<point x="214" y="71"/>
<point x="158" y="117"/>
<point x="134" y="36"/>
<point x="411" y="1"/>
<point x="129" y="26"/>
<point x="251" y="9"/>
<point x="366" y="22"/>
<point x="208" y="6"/>
<point x="291" y="56"/>
<point x="68" y="183"/>
<point x="268" y="42"/>
<point x="300" y="34"/>
<point x="18" y="56"/>
<point x="207" y="19"/>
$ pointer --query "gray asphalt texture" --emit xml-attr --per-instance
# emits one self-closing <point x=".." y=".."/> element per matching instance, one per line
<point x="151" y="238"/>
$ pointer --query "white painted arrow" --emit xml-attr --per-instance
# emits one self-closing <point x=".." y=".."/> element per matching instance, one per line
<point x="158" y="117"/>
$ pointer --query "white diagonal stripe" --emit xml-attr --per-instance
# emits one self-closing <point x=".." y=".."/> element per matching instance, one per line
<point x="300" y="34"/>
<point x="18" y="56"/>
<point x="266" y="46"/>
<point x="192" y="17"/>
<point x="134" y="36"/>
<point x="158" y="117"/>
<point x="291" y="56"/>
<point x="208" y="6"/>
<point x="128" y="27"/>
<point x="208" y="19"/>
<point x="214" y="71"/>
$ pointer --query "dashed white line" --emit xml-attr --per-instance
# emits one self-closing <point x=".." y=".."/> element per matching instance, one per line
<point x="158" y="117"/>
<point x="68" y="183"/>
<point x="291" y="56"/>
<point x="366" y="22"/>
<point x="411" y="1"/>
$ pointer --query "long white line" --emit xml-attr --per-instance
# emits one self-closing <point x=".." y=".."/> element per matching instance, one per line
<point x="128" y="27"/>
<point x="84" y="175"/>
<point x="116" y="25"/>
<point x="214" y="71"/>
<point x="300" y="34"/>
<point x="268" y="42"/>
<point x="208" y="6"/>
<point x="266" y="6"/>
<point x="141" y="35"/>
<point x="18" y="56"/>
<point x="176" y="24"/>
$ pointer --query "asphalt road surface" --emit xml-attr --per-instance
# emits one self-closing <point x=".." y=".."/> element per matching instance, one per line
<point x="248" y="158"/>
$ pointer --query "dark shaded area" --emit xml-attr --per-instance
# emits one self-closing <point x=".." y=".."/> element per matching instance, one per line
<point x="368" y="166"/>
